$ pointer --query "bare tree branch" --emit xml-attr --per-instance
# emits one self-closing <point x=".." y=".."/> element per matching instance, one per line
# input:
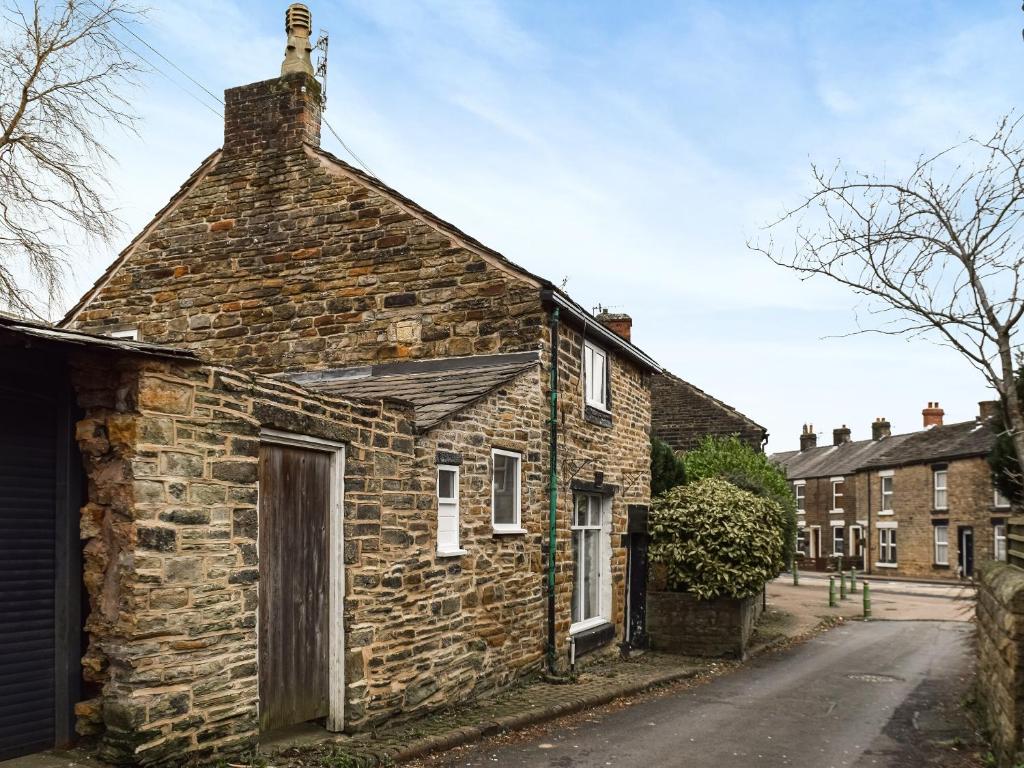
<point x="64" y="80"/>
<point x="939" y="253"/>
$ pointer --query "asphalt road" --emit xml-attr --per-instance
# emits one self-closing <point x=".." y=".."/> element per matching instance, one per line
<point x="880" y="694"/>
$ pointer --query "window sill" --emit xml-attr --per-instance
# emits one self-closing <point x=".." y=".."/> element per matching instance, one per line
<point x="886" y="565"/>
<point x="583" y="626"/>
<point x="885" y="512"/>
<point x="597" y="416"/>
<point x="838" y="511"/>
<point x="940" y="566"/>
<point x="451" y="552"/>
<point x="509" y="531"/>
<point x="942" y="511"/>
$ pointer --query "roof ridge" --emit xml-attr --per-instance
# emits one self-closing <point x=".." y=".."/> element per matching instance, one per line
<point x="720" y="403"/>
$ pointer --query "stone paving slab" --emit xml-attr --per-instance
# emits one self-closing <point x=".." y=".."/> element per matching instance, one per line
<point x="526" y="704"/>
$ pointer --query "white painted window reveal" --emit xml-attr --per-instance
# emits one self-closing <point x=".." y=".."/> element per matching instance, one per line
<point x="595" y="376"/>
<point x="838" y="540"/>
<point x="591" y="566"/>
<point x="506" y="482"/>
<point x="886" y="482"/>
<point x="940" y="478"/>
<point x="837" y="494"/>
<point x="887" y="547"/>
<point x="800" y="491"/>
<point x="999" y="541"/>
<point x="941" y="544"/>
<point x="448" y="511"/>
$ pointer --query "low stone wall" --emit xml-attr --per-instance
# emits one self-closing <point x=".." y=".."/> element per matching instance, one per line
<point x="679" y="622"/>
<point x="1000" y="687"/>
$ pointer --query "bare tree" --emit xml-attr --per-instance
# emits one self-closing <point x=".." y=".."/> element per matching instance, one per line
<point x="64" y="79"/>
<point x="937" y="253"/>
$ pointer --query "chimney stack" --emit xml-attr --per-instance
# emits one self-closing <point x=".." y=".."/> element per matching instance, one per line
<point x="880" y="428"/>
<point x="987" y="410"/>
<point x="619" y="324"/>
<point x="932" y="415"/>
<point x="841" y="435"/>
<point x="808" y="438"/>
<point x="282" y="114"/>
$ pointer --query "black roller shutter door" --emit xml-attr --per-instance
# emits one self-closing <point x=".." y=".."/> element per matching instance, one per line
<point x="28" y="542"/>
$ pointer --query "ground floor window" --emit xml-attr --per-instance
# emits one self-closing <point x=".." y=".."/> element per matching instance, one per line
<point x="448" y="510"/>
<point x="887" y="545"/>
<point x="838" y="540"/>
<point x="999" y="547"/>
<point x="589" y="557"/>
<point x="801" y="540"/>
<point x="941" y="545"/>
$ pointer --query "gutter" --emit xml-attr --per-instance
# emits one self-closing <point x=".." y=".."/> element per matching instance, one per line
<point x="609" y="338"/>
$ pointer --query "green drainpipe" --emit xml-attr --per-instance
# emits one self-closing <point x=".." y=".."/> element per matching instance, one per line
<point x="553" y="490"/>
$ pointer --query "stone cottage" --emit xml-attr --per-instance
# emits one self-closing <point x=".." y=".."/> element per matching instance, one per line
<point x="921" y="504"/>
<point x="515" y="421"/>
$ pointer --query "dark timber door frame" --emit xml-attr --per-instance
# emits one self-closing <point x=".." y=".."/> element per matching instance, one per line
<point x="965" y="550"/>
<point x="336" y="572"/>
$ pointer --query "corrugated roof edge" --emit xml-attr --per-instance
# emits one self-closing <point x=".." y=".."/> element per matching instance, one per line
<point x="55" y="335"/>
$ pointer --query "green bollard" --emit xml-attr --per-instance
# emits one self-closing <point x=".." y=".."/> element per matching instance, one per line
<point x="867" y="601"/>
<point x="842" y="585"/>
<point x="796" y="576"/>
<point x="832" y="592"/>
<point x="853" y="580"/>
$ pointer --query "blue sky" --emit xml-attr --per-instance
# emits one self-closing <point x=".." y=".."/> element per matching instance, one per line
<point x="632" y="148"/>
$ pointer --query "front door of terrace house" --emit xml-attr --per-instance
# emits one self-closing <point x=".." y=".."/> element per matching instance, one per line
<point x="301" y="583"/>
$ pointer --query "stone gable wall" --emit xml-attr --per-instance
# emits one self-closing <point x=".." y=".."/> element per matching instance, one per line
<point x="970" y="501"/>
<point x="275" y="261"/>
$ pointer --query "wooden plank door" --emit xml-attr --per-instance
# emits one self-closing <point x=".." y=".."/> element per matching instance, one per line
<point x="294" y="593"/>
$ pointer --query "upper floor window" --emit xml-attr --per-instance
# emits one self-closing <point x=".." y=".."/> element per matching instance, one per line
<point x="448" y="510"/>
<point x="800" y="491"/>
<point x="837" y="493"/>
<point x="886" y="488"/>
<point x="131" y="334"/>
<point x="940" y="478"/>
<point x="999" y="543"/>
<point x="505" y="491"/>
<point x="997" y="497"/>
<point x="595" y="376"/>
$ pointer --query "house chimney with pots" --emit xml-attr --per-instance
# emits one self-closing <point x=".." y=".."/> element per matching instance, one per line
<point x="282" y="114"/>
<point x="617" y="323"/>
<point x="808" y="438"/>
<point x="988" y="410"/>
<point x="880" y="428"/>
<point x="932" y="415"/>
<point x="841" y="435"/>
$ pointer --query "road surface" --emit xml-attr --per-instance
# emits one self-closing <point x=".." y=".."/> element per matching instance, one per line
<point x="879" y="694"/>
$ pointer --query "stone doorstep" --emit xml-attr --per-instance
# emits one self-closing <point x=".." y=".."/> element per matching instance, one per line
<point x="562" y="700"/>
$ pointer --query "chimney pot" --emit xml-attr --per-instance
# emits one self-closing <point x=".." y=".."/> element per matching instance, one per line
<point x="932" y="415"/>
<point x="618" y="323"/>
<point x="808" y="438"/>
<point x="841" y="435"/>
<point x="880" y="428"/>
<point x="298" y="23"/>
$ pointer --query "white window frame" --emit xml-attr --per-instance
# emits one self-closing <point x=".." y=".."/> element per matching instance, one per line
<point x="944" y="488"/>
<point x="836" y="481"/>
<point x="801" y="538"/>
<point x="591" y="352"/>
<point x="999" y="542"/>
<point x="886" y="547"/>
<point x="816" y="535"/>
<point x="449" y="505"/>
<point x="800" y="494"/>
<point x="517" y="525"/>
<point x="842" y="548"/>
<point x="998" y="500"/>
<point x="129" y="334"/>
<point x="940" y="557"/>
<point x="854" y="537"/>
<point x="885" y="501"/>
<point x="604" y="565"/>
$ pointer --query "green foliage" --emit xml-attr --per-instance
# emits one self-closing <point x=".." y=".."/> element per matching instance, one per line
<point x="1006" y="469"/>
<point x="729" y="458"/>
<point x="667" y="470"/>
<point x="717" y="540"/>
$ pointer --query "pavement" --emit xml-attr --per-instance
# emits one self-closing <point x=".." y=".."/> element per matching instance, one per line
<point x="879" y="694"/>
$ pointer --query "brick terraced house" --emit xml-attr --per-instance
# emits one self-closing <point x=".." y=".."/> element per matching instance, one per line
<point x="320" y="389"/>
<point x="921" y="504"/>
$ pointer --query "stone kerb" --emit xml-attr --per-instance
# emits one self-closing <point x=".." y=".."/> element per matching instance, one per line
<point x="1000" y="685"/>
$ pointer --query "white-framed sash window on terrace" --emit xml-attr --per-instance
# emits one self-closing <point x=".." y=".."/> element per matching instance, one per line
<point x="591" y="569"/>
<point x="886" y="488"/>
<point x="837" y="494"/>
<point x="940" y="481"/>
<point x="448" y="511"/>
<point x="506" y="484"/>
<point x="941" y="544"/>
<point x="999" y="541"/>
<point x="838" y="540"/>
<point x="800" y="491"/>
<point x="998" y="499"/>
<point x="595" y="376"/>
<point x="887" y="547"/>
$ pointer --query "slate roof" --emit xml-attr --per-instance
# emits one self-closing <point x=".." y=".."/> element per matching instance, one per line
<point x="950" y="441"/>
<point x="43" y="333"/>
<point x="436" y="388"/>
<point x="682" y="415"/>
